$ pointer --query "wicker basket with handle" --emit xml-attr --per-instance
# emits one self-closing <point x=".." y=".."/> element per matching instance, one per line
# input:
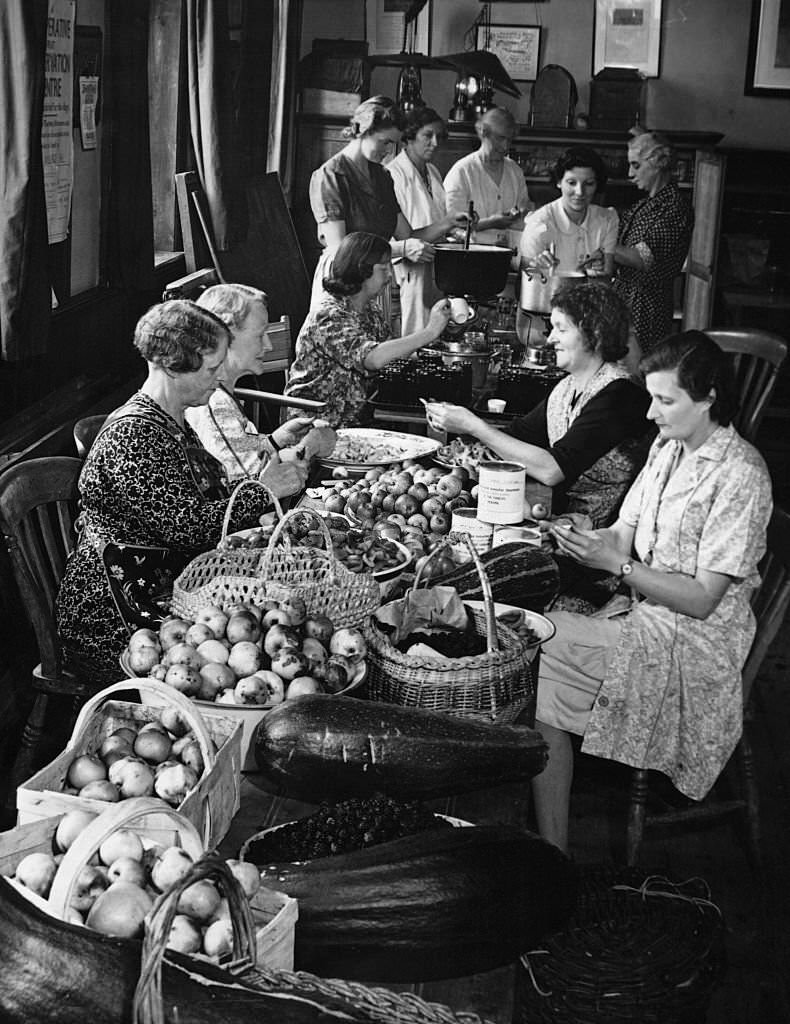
<point x="495" y="685"/>
<point x="351" y="1001"/>
<point x="224" y="575"/>
<point x="210" y="805"/>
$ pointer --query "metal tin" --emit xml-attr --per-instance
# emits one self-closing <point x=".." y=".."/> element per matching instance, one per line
<point x="465" y="521"/>
<point x="500" y="497"/>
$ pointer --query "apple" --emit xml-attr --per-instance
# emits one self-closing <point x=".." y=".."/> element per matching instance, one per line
<point x="158" y="672"/>
<point x="294" y="606"/>
<point x="127" y="869"/>
<point x="406" y="505"/>
<point x="275" y="638"/>
<point x="183" y="654"/>
<point x="199" y="901"/>
<point x="289" y="662"/>
<point x="350" y="643"/>
<point x="170" y="867"/>
<point x="431" y="506"/>
<point x="401" y="483"/>
<point x="218" y="937"/>
<point x="170" y="719"/>
<point x="245" y="658"/>
<point x="301" y="686"/>
<point x="127" y="732"/>
<point x="192" y="756"/>
<point x="197" y="633"/>
<point x="183" y="678"/>
<point x="123" y="842"/>
<point x="247" y="875"/>
<point x="174" y="783"/>
<point x="418" y="490"/>
<point x="143" y="659"/>
<point x="319" y="627"/>
<point x="213" y="651"/>
<point x="184" y="936"/>
<point x="242" y="626"/>
<point x="449" y="486"/>
<point x="70" y="826"/>
<point x="540" y="510"/>
<point x="276" y="617"/>
<point x="37" y="870"/>
<point x="120" y="910"/>
<point x="214" y="678"/>
<point x="315" y="653"/>
<point x="275" y="687"/>
<point x="85" y="768"/>
<point x="155" y="725"/>
<point x="440" y="523"/>
<point x="132" y="776"/>
<point x="90" y="883"/>
<point x="142" y="638"/>
<point x="101" y="789"/>
<point x="388" y="503"/>
<point x="213" y="617"/>
<point x="153" y="746"/>
<point x="251" y="690"/>
<point x="173" y="631"/>
<point x="462" y="473"/>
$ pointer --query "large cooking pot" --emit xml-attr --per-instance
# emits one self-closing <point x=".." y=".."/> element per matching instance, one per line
<point x="480" y="271"/>
<point x="480" y="362"/>
<point x="537" y="287"/>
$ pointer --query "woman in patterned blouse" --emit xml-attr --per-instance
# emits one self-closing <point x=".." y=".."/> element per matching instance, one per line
<point x="659" y="686"/>
<point x="151" y="496"/>
<point x="654" y="238"/>
<point x="346" y="339"/>
<point x="279" y="459"/>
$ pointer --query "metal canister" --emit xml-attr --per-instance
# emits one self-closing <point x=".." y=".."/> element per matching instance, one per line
<point x="500" y="497"/>
<point x="465" y="521"/>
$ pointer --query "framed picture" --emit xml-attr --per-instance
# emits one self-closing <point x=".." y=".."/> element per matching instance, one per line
<point x="627" y="35"/>
<point x="385" y="23"/>
<point x="517" y="46"/>
<point x="768" y="61"/>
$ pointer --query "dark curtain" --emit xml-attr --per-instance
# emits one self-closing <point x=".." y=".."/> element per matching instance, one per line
<point x="131" y="216"/>
<point x="25" y="297"/>
<point x="210" y="110"/>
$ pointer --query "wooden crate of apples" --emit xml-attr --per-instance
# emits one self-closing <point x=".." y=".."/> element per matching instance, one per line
<point x="250" y="655"/>
<point x="106" y="871"/>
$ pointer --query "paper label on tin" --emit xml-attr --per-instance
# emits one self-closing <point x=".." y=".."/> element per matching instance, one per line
<point x="500" y="497"/>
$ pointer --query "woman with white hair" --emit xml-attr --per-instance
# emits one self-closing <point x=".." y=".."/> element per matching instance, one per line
<point x="492" y="181"/>
<point x="220" y="423"/>
<point x="653" y="240"/>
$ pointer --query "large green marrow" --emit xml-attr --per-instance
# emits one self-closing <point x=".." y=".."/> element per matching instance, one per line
<point x="323" y="747"/>
<point x="439" y="904"/>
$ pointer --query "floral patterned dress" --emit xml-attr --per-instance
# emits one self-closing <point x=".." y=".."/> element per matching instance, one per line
<point x="329" y="363"/>
<point x="151" y="499"/>
<point x="659" y="227"/>
<point x="671" y="699"/>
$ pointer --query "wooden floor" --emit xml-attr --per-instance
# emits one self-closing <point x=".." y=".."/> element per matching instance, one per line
<point x="756" y="987"/>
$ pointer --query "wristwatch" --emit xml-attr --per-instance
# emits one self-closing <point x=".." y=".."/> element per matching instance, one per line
<point x="626" y="568"/>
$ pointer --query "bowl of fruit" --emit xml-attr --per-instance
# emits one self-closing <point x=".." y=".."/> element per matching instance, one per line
<point x="244" y="660"/>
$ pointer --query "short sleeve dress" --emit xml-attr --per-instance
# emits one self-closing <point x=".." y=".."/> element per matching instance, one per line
<point x="659" y="227"/>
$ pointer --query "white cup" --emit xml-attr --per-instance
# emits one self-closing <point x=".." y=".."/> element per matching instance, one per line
<point x="496" y="404"/>
<point x="459" y="310"/>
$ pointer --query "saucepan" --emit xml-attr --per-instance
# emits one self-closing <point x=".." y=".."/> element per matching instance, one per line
<point x="537" y="287"/>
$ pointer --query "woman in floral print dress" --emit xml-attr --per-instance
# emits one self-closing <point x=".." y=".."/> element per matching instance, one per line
<point x="659" y="687"/>
<point x="346" y="339"/>
<point x="151" y="496"/>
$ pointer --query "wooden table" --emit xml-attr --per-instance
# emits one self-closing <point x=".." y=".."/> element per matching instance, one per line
<point x="489" y="995"/>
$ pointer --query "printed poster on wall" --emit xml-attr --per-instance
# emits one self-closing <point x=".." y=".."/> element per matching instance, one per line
<point x="56" y="139"/>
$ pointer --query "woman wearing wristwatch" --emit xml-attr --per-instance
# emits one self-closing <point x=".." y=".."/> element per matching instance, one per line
<point x="659" y="687"/>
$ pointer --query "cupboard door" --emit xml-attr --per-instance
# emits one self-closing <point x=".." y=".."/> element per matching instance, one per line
<point x="701" y="262"/>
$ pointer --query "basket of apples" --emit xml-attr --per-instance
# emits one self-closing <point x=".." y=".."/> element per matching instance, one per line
<point x="112" y="871"/>
<point x="243" y="660"/>
<point x="163" y="747"/>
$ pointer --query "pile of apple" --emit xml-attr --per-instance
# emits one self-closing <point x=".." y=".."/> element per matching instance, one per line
<point x="160" y="758"/>
<point x="115" y="895"/>
<point x="409" y="503"/>
<point x="250" y="655"/>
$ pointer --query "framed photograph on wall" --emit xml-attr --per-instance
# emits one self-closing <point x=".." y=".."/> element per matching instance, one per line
<point x="768" y="61"/>
<point x="627" y="35"/>
<point x="517" y="46"/>
<point x="385" y="23"/>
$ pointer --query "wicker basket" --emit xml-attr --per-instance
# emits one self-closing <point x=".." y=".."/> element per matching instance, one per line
<point x="222" y="576"/>
<point x="639" y="950"/>
<point x="210" y="806"/>
<point x="494" y="685"/>
<point x="375" y="1005"/>
<point x="283" y="569"/>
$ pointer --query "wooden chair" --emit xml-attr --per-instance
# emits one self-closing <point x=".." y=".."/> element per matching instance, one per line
<point x="758" y="356"/>
<point x="85" y="431"/>
<point x="38" y="507"/>
<point x="770" y="603"/>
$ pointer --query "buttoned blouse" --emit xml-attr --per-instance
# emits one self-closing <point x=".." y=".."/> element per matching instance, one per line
<point x="572" y="242"/>
<point x="354" y="190"/>
<point x="672" y="698"/>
